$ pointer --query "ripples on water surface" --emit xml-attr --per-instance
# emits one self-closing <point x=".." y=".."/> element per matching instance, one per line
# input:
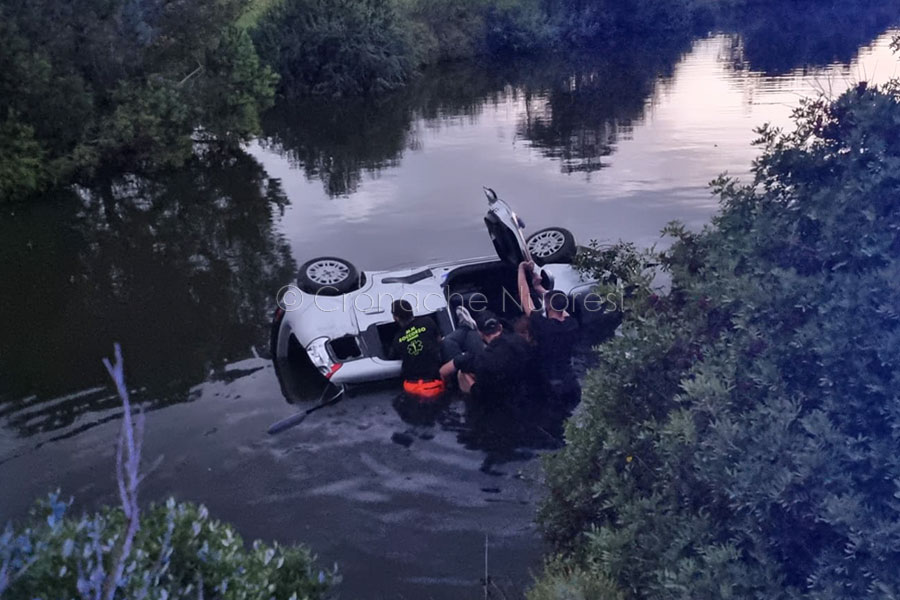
<point x="183" y="269"/>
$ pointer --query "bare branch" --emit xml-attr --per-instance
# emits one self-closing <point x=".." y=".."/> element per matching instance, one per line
<point x="190" y="75"/>
<point x="120" y="476"/>
<point x="128" y="462"/>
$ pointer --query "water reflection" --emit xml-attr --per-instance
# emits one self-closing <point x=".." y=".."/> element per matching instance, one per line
<point x="339" y="140"/>
<point x="420" y="413"/>
<point x="506" y="436"/>
<point x="779" y="37"/>
<point x="587" y="105"/>
<point x="180" y="268"/>
<point x="503" y="433"/>
<point x="573" y="109"/>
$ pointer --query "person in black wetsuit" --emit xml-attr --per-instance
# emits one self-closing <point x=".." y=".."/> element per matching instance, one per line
<point x="555" y="334"/>
<point x="496" y="372"/>
<point x="418" y="344"/>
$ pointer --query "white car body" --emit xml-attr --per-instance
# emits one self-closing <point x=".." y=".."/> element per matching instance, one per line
<point x="340" y="333"/>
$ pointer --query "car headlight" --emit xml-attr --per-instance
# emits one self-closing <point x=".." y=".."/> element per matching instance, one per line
<point x="317" y="352"/>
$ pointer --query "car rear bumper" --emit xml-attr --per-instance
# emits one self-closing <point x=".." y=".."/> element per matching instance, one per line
<point x="363" y="370"/>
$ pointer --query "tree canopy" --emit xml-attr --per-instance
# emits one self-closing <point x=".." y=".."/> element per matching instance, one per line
<point x="122" y="83"/>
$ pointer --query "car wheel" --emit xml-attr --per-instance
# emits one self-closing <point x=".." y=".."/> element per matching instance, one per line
<point x="328" y="276"/>
<point x="273" y="333"/>
<point x="552" y="245"/>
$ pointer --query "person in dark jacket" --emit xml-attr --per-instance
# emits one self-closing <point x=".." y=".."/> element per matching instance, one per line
<point x="418" y="344"/>
<point x="555" y="333"/>
<point x="497" y="371"/>
<point x="465" y="338"/>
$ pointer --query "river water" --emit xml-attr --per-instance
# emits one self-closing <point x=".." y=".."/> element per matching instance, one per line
<point x="182" y="269"/>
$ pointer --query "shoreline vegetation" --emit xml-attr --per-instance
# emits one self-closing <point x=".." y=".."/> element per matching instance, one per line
<point x="144" y="85"/>
<point x="172" y="550"/>
<point x="736" y="440"/>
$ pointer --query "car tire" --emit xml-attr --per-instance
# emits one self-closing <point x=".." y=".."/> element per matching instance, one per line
<point x="552" y="245"/>
<point x="273" y="334"/>
<point x="328" y="276"/>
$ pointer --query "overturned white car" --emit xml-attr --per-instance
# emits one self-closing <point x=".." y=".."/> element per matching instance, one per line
<point x="340" y="319"/>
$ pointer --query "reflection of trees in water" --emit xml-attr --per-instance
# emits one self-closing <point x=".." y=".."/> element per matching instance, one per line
<point x="780" y="37"/>
<point x="586" y="106"/>
<point x="338" y="140"/>
<point x="575" y="109"/>
<point x="182" y="269"/>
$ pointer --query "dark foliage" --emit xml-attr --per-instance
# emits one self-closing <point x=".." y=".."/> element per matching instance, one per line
<point x="593" y="23"/>
<point x="179" y="552"/>
<point x="466" y="28"/>
<point x="777" y="37"/>
<point x="336" y="47"/>
<point x="739" y="438"/>
<point x="120" y="82"/>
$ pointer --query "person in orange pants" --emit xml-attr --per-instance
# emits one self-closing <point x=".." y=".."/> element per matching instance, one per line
<point x="423" y="389"/>
<point x="418" y="345"/>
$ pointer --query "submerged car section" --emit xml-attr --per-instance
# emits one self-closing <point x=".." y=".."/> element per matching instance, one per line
<point x="339" y="320"/>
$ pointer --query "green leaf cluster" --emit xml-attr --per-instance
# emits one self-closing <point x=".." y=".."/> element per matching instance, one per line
<point x="739" y="437"/>
<point x="128" y="84"/>
<point x="336" y="47"/>
<point x="467" y="28"/>
<point x="587" y="23"/>
<point x="179" y="552"/>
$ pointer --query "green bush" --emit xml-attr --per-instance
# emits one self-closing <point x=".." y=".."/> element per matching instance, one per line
<point x="336" y="47"/>
<point x="619" y="269"/>
<point x="22" y="167"/>
<point x="738" y="439"/>
<point x="120" y="83"/>
<point x="467" y="28"/>
<point x="179" y="552"/>
<point x="587" y="23"/>
<point x="562" y="582"/>
<point x="516" y="27"/>
<point x="446" y="30"/>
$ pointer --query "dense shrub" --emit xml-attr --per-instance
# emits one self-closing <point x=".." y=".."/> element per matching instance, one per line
<point x="124" y="83"/>
<point x="738" y="439"/>
<point x="179" y="552"/>
<point x="467" y="28"/>
<point x="588" y="23"/>
<point x="353" y="47"/>
<point x="446" y="30"/>
<point x="516" y="27"/>
<point x="336" y="47"/>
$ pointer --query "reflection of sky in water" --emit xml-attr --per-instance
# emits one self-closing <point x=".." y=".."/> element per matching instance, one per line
<point x="429" y="207"/>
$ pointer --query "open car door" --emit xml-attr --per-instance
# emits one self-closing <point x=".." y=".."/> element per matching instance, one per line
<point x="506" y="230"/>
